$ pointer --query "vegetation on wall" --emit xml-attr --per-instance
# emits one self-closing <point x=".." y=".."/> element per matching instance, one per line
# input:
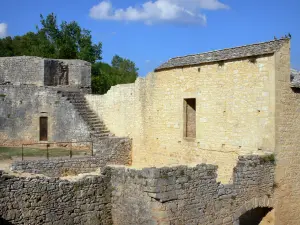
<point x="70" y="41"/>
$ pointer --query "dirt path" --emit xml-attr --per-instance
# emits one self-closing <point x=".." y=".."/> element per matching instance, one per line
<point x="269" y="219"/>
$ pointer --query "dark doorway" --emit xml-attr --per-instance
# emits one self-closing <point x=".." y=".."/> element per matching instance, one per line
<point x="254" y="216"/>
<point x="190" y="117"/>
<point x="43" y="128"/>
<point x="4" y="222"/>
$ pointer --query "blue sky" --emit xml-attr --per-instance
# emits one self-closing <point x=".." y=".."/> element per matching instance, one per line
<point x="151" y="32"/>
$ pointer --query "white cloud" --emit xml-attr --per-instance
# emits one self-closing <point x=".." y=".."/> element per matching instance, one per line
<point x="3" y="30"/>
<point x="172" y="11"/>
<point x="148" y="61"/>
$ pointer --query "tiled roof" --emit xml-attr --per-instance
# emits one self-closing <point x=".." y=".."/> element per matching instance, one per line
<point x="225" y="54"/>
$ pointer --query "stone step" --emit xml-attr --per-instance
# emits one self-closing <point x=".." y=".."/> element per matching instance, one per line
<point x="98" y="127"/>
<point x="100" y="135"/>
<point x="77" y="101"/>
<point x="96" y="124"/>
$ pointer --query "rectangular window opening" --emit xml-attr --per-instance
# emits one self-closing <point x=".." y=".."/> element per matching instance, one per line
<point x="190" y="118"/>
<point x="43" y="128"/>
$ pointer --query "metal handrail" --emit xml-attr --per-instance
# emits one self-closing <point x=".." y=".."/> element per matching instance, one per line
<point x="64" y="142"/>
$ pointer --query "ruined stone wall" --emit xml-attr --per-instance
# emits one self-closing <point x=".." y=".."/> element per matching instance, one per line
<point x="234" y="113"/>
<point x="108" y="151"/>
<point x="121" y="110"/>
<point x="190" y="195"/>
<point x="39" y="200"/>
<point x="22" y="106"/>
<point x="287" y="177"/>
<point x="122" y="195"/>
<point x="114" y="150"/>
<point x="22" y="70"/>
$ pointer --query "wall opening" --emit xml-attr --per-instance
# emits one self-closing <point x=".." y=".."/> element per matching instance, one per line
<point x="43" y="128"/>
<point x="255" y="216"/>
<point x="190" y="117"/>
<point x="4" y="222"/>
<point x="56" y="73"/>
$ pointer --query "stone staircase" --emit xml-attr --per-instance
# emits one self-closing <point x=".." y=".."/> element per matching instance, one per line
<point x="96" y="126"/>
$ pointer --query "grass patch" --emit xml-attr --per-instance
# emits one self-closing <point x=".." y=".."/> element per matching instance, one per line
<point x="9" y="152"/>
<point x="68" y="172"/>
<point x="269" y="158"/>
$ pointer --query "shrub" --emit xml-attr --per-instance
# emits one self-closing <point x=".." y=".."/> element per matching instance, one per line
<point x="269" y="158"/>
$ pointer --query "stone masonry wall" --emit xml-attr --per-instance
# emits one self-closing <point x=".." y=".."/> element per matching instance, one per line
<point x="235" y="113"/>
<point x="22" y="70"/>
<point x="120" y="195"/>
<point x="287" y="172"/>
<point x="113" y="151"/>
<point x="38" y="71"/>
<point x="121" y="111"/>
<point x="47" y="201"/>
<point x="190" y="195"/>
<point x="79" y="72"/>
<point x="22" y="106"/>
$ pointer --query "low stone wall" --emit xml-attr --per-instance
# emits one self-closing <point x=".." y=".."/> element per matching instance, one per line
<point x="113" y="151"/>
<point x="38" y="200"/>
<point x="59" y="167"/>
<point x="122" y="195"/>
<point x="190" y="195"/>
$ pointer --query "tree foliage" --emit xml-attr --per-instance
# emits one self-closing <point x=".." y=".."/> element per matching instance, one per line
<point x="121" y="71"/>
<point x="70" y="41"/>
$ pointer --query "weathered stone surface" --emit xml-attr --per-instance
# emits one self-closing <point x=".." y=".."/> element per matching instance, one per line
<point x="149" y="196"/>
<point x="120" y="195"/>
<point x="21" y="108"/>
<point x="38" y="200"/>
<point x="28" y="70"/>
<point x="120" y="155"/>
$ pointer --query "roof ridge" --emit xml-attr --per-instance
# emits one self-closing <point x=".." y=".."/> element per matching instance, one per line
<point x="258" y="43"/>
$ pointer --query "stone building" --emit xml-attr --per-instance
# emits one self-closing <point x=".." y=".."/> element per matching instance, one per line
<point x="220" y="107"/>
<point x="214" y="107"/>
<point x="43" y="100"/>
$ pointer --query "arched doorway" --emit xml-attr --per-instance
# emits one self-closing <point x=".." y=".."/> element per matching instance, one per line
<point x="5" y="222"/>
<point x="254" y="216"/>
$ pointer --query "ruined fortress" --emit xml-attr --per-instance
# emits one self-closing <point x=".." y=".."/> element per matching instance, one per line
<point x="210" y="138"/>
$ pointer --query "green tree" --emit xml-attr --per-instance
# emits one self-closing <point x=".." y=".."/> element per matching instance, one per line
<point x="125" y="68"/>
<point x="122" y="71"/>
<point x="70" y="40"/>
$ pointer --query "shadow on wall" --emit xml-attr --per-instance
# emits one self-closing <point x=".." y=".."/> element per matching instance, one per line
<point x="5" y="222"/>
<point x="255" y="216"/>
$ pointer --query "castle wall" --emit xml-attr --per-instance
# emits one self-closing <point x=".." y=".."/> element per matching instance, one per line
<point x="44" y="72"/>
<point x="41" y="200"/>
<point x="287" y="179"/>
<point x="190" y="195"/>
<point x="235" y="107"/>
<point x="21" y="108"/>
<point x="22" y="70"/>
<point x="121" y="110"/>
<point x="79" y="72"/>
<point x="120" y="195"/>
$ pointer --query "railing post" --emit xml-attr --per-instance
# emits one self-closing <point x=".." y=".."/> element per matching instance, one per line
<point x="71" y="151"/>
<point x="92" y="149"/>
<point x="22" y="153"/>
<point x="47" y="151"/>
